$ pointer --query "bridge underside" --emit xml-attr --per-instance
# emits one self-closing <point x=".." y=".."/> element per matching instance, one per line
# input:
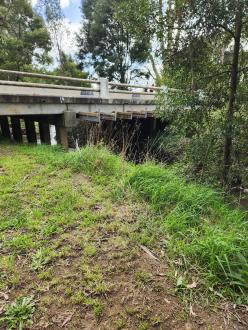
<point x="32" y="116"/>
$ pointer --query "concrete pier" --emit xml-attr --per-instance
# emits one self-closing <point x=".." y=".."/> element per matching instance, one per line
<point x="16" y="129"/>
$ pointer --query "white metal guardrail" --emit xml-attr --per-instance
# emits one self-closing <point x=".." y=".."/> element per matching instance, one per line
<point x="103" y="88"/>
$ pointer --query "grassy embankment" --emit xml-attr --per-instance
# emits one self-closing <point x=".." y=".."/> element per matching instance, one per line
<point x="205" y="239"/>
<point x="199" y="227"/>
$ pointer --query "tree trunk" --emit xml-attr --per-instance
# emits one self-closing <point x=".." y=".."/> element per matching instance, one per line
<point x="232" y="97"/>
<point x="161" y="29"/>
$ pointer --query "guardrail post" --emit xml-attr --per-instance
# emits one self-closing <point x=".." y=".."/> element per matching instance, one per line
<point x="104" y="88"/>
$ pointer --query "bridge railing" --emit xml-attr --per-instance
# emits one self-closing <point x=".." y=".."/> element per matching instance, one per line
<point x="104" y="87"/>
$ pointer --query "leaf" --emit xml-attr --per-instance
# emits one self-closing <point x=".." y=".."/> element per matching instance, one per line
<point x="180" y="281"/>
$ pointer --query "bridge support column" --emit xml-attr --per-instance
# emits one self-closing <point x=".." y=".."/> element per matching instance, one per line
<point x="30" y="130"/>
<point x="44" y="132"/>
<point x="16" y="129"/>
<point x="64" y="126"/>
<point x="62" y="136"/>
<point x="4" y="124"/>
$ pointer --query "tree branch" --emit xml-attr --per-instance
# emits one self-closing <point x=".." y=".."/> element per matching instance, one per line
<point x="226" y="29"/>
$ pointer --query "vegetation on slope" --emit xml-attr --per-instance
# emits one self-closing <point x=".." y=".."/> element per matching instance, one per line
<point x="73" y="227"/>
<point x="199" y="229"/>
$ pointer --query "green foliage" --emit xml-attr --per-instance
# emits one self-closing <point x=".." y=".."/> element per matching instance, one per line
<point x="69" y="68"/>
<point x="18" y="315"/>
<point x="194" y="41"/>
<point x="23" y="36"/>
<point x="200" y="108"/>
<point x="107" y="45"/>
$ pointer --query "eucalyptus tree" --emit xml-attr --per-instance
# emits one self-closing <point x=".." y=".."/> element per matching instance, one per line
<point x="54" y="18"/>
<point x="24" y="38"/>
<point x="107" y="45"/>
<point x="158" y="23"/>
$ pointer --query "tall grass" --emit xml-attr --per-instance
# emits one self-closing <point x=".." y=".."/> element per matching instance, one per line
<point x="200" y="228"/>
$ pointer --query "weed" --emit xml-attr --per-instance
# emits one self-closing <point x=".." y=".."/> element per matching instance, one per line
<point x="131" y="310"/>
<point x="40" y="259"/>
<point x="46" y="275"/>
<point x="89" y="250"/>
<point x="79" y="298"/>
<point x="143" y="326"/>
<point x="19" y="314"/>
<point x="14" y="279"/>
<point x="93" y="280"/>
<point x="120" y="323"/>
<point x="155" y="320"/>
<point x="96" y="304"/>
<point x="50" y="229"/>
<point x="14" y="223"/>
<point x="143" y="277"/>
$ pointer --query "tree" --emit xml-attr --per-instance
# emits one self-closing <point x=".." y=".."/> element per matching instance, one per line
<point x="212" y="103"/>
<point x="54" y="18"/>
<point x="69" y="68"/>
<point x="159" y="24"/>
<point x="107" y="45"/>
<point x="24" y="38"/>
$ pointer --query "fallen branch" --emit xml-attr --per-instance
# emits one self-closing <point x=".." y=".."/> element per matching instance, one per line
<point x="147" y="251"/>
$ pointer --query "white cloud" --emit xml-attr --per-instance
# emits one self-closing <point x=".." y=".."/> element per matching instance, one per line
<point x="66" y="38"/>
<point x="69" y="42"/>
<point x="63" y="3"/>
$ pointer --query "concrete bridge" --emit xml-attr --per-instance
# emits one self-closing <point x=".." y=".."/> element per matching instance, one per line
<point x="65" y="103"/>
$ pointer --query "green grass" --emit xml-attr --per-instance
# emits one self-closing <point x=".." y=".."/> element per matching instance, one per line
<point x="194" y="222"/>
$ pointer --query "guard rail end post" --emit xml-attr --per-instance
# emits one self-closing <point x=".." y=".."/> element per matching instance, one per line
<point x="104" y="88"/>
